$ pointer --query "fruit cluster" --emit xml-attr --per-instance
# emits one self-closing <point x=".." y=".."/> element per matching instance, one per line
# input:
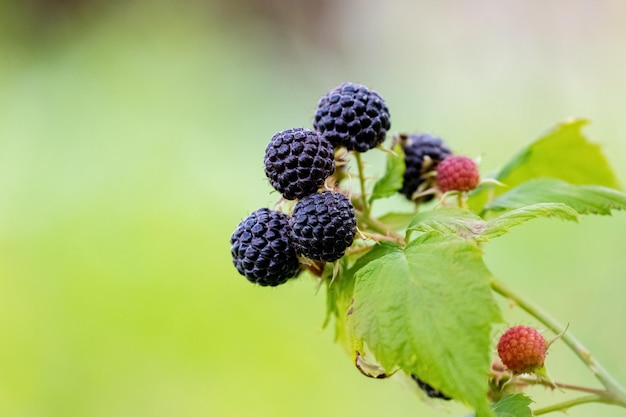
<point x="269" y="246"/>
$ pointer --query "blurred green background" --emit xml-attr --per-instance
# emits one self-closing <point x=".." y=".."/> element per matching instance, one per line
<point x="131" y="143"/>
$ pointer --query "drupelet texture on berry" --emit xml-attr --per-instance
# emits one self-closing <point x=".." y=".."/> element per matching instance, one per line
<point x="522" y="349"/>
<point x="422" y="154"/>
<point x="323" y="226"/>
<point x="457" y="173"/>
<point x="298" y="161"/>
<point x="353" y="116"/>
<point x="261" y="248"/>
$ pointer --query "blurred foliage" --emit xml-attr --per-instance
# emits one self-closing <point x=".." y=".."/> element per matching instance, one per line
<point x="131" y="141"/>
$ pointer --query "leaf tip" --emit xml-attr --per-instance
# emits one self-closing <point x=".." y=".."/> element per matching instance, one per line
<point x="576" y="121"/>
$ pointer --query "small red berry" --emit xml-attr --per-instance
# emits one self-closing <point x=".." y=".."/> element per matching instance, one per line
<point x="522" y="349"/>
<point x="458" y="173"/>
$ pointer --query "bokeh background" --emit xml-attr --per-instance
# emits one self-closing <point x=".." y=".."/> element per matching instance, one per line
<point x="131" y="143"/>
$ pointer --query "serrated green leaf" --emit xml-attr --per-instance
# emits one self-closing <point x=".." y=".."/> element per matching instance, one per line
<point x="339" y="292"/>
<point x="585" y="199"/>
<point x="429" y="309"/>
<point x="564" y="153"/>
<point x="500" y="225"/>
<point x="466" y="224"/>
<point x="514" y="405"/>
<point x="391" y="181"/>
<point x="447" y="220"/>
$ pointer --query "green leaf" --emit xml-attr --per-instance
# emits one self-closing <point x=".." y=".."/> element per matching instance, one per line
<point x="339" y="292"/>
<point x="500" y="225"/>
<point x="391" y="181"/>
<point x="466" y="224"/>
<point x="514" y="405"/>
<point x="585" y="199"/>
<point x="447" y="220"/>
<point x="429" y="309"/>
<point x="564" y="153"/>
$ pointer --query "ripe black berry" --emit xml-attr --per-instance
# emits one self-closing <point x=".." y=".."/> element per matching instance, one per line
<point x="353" y="116"/>
<point x="429" y="390"/>
<point x="298" y="161"/>
<point x="261" y="249"/>
<point x="323" y="226"/>
<point x="422" y="154"/>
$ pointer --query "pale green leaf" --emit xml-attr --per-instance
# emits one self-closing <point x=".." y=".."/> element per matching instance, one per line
<point x="466" y="224"/>
<point x="585" y="199"/>
<point x="340" y="289"/>
<point x="391" y="181"/>
<point x="563" y="153"/>
<point x="447" y="220"/>
<point x="514" y="405"/>
<point x="500" y="225"/>
<point x="429" y="310"/>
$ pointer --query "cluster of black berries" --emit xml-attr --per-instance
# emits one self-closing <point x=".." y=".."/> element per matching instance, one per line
<point x="267" y="246"/>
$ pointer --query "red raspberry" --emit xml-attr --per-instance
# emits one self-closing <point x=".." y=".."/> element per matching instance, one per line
<point x="458" y="173"/>
<point x="522" y="349"/>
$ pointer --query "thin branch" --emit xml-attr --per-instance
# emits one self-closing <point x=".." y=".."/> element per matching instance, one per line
<point x="563" y="406"/>
<point x="379" y="227"/>
<point x="618" y="393"/>
<point x="359" y="163"/>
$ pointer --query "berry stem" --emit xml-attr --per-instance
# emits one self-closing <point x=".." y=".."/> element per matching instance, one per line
<point x="460" y="199"/>
<point x="359" y="163"/>
<point x="616" y="393"/>
<point x="540" y="381"/>
<point x="375" y="225"/>
<point x="378" y="237"/>
<point x="563" y="406"/>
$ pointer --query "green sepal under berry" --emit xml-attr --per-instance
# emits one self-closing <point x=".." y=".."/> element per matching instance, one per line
<point x="416" y="309"/>
<point x="563" y="153"/>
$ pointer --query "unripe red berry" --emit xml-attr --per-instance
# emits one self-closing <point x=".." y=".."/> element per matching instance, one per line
<point x="457" y="173"/>
<point x="522" y="349"/>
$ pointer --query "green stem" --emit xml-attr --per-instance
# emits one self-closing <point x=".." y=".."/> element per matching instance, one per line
<point x="616" y="393"/>
<point x="548" y="384"/>
<point x="571" y="403"/>
<point x="459" y="200"/>
<point x="377" y="226"/>
<point x="359" y="163"/>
